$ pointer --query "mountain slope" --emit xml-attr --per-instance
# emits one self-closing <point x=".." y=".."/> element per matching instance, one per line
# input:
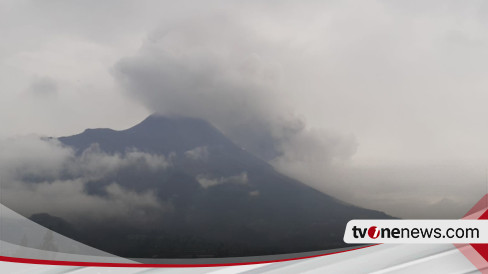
<point x="223" y="200"/>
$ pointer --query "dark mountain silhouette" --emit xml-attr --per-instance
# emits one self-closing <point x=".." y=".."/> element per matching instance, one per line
<point x="225" y="201"/>
<point x="54" y="223"/>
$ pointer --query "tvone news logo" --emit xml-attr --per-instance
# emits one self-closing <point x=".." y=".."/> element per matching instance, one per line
<point x="374" y="232"/>
<point x="416" y="231"/>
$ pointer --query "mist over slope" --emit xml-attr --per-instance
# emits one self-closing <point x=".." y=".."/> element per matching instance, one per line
<point x="189" y="191"/>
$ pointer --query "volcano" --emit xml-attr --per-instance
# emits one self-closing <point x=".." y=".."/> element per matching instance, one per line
<point x="223" y="200"/>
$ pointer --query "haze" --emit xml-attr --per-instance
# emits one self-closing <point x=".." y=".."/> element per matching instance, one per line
<point x="379" y="103"/>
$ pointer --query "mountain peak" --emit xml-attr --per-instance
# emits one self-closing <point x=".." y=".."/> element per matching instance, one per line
<point x="156" y="120"/>
<point x="157" y="133"/>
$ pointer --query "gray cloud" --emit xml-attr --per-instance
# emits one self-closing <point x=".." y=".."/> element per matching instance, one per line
<point x="61" y="178"/>
<point x="413" y="191"/>
<point x="44" y="87"/>
<point x="218" y="70"/>
<point x="248" y="84"/>
<point x="383" y="89"/>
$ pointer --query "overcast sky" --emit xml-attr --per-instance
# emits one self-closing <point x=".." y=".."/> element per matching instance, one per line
<point x="380" y="103"/>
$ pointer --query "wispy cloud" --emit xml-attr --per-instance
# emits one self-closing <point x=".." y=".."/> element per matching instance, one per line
<point x="42" y="176"/>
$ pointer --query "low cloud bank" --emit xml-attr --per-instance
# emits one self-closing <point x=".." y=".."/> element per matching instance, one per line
<point x="43" y="176"/>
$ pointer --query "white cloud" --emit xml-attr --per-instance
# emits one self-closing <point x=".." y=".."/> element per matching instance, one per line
<point x="60" y="178"/>
<point x="254" y="193"/>
<point x="207" y="181"/>
<point x="198" y="153"/>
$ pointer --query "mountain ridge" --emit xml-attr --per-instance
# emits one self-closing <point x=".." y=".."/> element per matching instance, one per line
<point x="227" y="200"/>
